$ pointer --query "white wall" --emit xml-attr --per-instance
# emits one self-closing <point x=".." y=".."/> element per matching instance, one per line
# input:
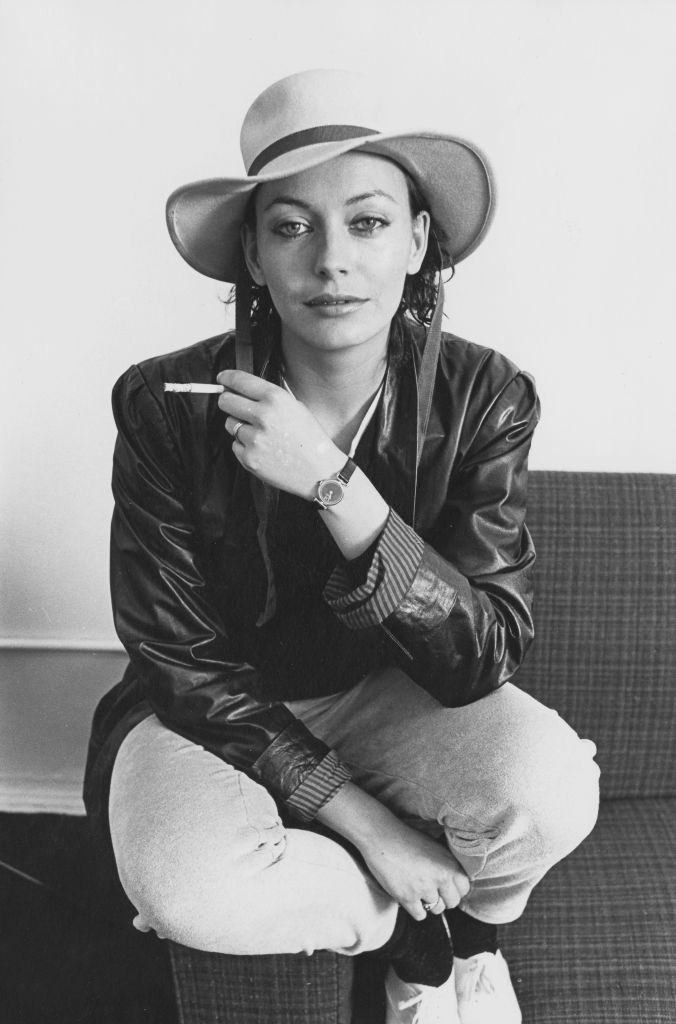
<point x="105" y="107"/>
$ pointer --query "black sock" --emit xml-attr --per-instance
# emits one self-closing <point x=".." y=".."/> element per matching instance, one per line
<point x="469" y="935"/>
<point x="419" y="951"/>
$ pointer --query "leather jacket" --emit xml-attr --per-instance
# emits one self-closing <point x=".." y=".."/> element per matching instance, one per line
<point x="188" y="562"/>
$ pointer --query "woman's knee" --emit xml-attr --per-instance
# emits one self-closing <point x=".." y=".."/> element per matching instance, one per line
<point x="556" y="802"/>
<point x="187" y="831"/>
<point x="195" y="897"/>
<point x="540" y="783"/>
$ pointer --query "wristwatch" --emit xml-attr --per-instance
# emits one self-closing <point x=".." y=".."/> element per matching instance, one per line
<point x="332" y="490"/>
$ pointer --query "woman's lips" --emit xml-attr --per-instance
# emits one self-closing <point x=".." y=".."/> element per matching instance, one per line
<point x="335" y="305"/>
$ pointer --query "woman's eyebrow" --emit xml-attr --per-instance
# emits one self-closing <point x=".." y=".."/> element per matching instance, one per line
<point x="287" y="201"/>
<point x="292" y="201"/>
<point x="369" y="195"/>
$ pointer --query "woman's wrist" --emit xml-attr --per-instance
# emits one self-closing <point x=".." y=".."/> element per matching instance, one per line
<point x="325" y="461"/>
<point x="355" y="815"/>
<point x="358" y="519"/>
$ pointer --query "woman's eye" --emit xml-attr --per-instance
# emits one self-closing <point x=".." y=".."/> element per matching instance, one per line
<point x="367" y="225"/>
<point x="292" y="229"/>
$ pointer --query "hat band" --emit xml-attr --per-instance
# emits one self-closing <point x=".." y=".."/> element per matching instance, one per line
<point x="307" y="137"/>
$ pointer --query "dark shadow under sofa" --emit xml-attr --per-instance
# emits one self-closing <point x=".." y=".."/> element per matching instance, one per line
<point x="597" y="944"/>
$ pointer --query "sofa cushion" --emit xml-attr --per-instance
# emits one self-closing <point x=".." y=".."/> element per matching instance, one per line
<point x="597" y="944"/>
<point x="605" y="615"/>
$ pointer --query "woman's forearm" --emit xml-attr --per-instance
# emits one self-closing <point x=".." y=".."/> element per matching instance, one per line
<point x="356" y="815"/>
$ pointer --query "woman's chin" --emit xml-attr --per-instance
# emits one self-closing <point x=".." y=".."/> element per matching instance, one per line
<point x="334" y="334"/>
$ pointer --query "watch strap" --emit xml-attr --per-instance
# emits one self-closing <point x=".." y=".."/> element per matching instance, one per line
<point x="342" y="476"/>
<point x="347" y="471"/>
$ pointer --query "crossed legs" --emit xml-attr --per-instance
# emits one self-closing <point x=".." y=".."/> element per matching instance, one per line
<point x="203" y="856"/>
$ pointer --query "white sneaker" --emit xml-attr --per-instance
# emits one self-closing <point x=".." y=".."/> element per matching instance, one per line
<point x="420" y="1004"/>
<point x="484" y="990"/>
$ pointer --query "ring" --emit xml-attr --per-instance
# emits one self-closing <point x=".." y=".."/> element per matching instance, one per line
<point x="430" y="906"/>
<point x="237" y="429"/>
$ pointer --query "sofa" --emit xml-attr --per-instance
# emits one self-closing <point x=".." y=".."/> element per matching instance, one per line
<point x="597" y="944"/>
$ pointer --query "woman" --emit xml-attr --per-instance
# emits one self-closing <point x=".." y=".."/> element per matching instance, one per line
<point x="323" y="580"/>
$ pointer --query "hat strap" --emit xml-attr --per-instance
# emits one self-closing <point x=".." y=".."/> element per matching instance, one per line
<point x="263" y="495"/>
<point x="428" y="369"/>
<point x="243" y="341"/>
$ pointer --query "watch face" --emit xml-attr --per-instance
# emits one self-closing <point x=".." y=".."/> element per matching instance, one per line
<point x="330" y="492"/>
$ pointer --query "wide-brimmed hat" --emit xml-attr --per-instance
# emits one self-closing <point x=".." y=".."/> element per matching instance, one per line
<point x="311" y="117"/>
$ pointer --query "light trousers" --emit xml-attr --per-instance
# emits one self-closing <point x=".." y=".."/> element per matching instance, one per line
<point x="204" y="857"/>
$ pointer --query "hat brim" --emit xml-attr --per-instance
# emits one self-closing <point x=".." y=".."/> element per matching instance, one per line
<point x="204" y="217"/>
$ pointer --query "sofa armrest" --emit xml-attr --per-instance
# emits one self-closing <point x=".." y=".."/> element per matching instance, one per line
<point x="213" y="988"/>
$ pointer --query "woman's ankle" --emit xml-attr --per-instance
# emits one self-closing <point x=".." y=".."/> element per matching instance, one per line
<point x="420" y="952"/>
<point x="469" y="935"/>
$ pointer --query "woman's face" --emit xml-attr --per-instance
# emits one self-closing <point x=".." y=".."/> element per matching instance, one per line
<point x="334" y="245"/>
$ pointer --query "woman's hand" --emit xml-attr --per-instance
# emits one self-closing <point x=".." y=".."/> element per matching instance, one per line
<point x="415" y="869"/>
<point x="280" y="441"/>
<point x="410" y="866"/>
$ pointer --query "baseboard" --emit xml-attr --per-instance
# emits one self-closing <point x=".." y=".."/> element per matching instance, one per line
<point x="33" y="794"/>
<point x="47" y="698"/>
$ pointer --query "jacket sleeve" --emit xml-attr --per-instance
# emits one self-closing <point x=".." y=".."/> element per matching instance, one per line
<point x="174" y="637"/>
<point x="457" y="611"/>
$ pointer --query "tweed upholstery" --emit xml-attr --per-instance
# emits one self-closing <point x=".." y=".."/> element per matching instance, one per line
<point x="605" y="618"/>
<point x="597" y="943"/>
<point x="217" y="989"/>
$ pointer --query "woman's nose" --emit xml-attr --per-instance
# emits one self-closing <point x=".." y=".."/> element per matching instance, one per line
<point x="332" y="252"/>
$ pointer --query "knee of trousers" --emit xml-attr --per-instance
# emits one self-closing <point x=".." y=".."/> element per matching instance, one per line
<point x="196" y="895"/>
<point x="554" y="806"/>
<point x="204" y="906"/>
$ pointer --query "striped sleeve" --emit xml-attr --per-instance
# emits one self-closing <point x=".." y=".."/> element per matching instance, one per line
<point x="393" y="568"/>
<point x="319" y="787"/>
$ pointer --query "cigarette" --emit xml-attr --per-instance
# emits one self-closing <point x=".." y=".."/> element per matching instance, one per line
<point x="195" y="389"/>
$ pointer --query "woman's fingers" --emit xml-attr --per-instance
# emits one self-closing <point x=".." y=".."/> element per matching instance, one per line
<point x="235" y="405"/>
<point x="415" y="909"/>
<point x="455" y="889"/>
<point x="236" y="428"/>
<point x="246" y="384"/>
<point x="435" y="905"/>
<point x="248" y="397"/>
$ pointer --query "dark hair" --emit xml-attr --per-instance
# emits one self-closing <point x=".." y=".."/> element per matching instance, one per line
<point x="418" y="297"/>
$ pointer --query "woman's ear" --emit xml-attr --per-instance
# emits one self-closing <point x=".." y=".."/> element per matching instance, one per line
<point x="250" y="249"/>
<point x="420" y="232"/>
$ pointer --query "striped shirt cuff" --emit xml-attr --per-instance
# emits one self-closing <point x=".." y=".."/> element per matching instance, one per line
<point x="319" y="787"/>
<point x="388" y="580"/>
